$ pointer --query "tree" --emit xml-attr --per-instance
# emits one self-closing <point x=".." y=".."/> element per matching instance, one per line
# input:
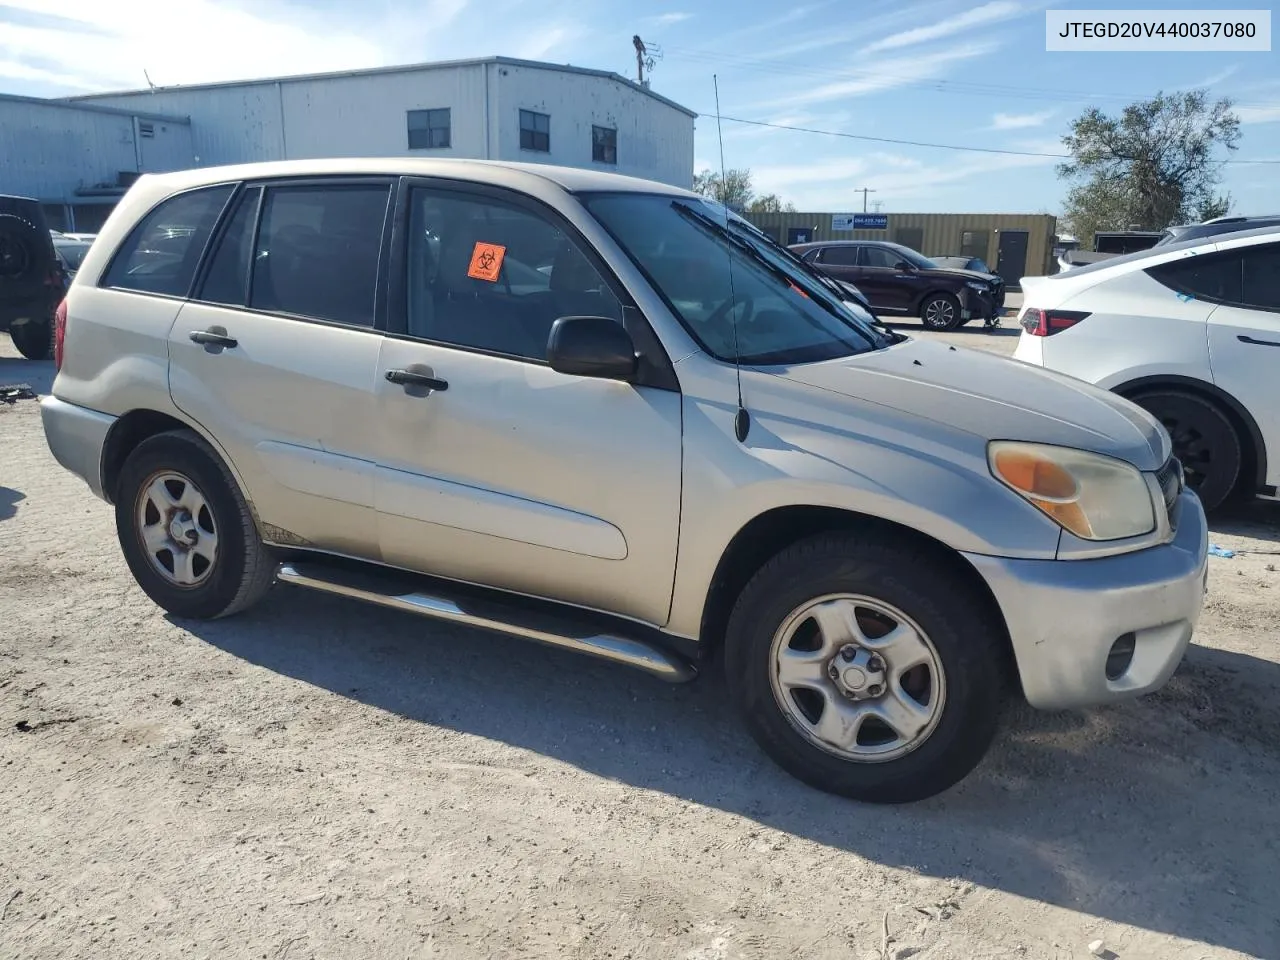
<point x="1150" y="167"/>
<point x="733" y="189"/>
<point x="770" y="203"/>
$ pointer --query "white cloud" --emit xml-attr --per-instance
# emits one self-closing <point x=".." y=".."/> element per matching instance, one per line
<point x="978" y="16"/>
<point x="883" y="75"/>
<point x="1020" y="121"/>
<point x="667" y="19"/>
<point x="1259" y="114"/>
<point x="541" y="42"/>
<point x="1211" y="81"/>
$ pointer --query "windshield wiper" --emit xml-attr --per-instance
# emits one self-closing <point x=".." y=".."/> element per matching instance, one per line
<point x="741" y="243"/>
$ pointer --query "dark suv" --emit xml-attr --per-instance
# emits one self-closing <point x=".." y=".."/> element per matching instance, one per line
<point x="31" y="278"/>
<point x="899" y="281"/>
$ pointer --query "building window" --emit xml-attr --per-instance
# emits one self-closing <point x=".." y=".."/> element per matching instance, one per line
<point x="429" y="129"/>
<point x="535" y="131"/>
<point x="975" y="243"/>
<point x="604" y="145"/>
<point x="147" y="130"/>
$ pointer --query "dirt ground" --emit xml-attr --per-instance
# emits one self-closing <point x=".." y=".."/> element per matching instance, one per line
<point x="320" y="779"/>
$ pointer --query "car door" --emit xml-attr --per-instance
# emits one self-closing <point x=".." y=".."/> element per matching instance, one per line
<point x="890" y="289"/>
<point x="496" y="469"/>
<point x="276" y="355"/>
<point x="1244" y="344"/>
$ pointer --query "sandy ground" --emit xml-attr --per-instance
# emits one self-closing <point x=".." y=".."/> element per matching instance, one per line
<point x="320" y="779"/>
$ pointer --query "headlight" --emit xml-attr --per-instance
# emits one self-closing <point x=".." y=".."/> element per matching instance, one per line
<point x="1092" y="496"/>
<point x="975" y="285"/>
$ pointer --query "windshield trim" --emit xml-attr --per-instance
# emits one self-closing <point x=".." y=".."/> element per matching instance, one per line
<point x="869" y="334"/>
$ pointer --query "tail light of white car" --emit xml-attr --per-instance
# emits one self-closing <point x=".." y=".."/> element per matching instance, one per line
<point x="1045" y="323"/>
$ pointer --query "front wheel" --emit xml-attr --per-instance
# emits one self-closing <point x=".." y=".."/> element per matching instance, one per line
<point x="866" y="668"/>
<point x="940" y="311"/>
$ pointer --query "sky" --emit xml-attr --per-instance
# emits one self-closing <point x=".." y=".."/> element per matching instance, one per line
<point x="960" y="72"/>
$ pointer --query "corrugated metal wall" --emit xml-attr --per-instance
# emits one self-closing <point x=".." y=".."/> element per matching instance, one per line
<point x="47" y="150"/>
<point x="933" y="234"/>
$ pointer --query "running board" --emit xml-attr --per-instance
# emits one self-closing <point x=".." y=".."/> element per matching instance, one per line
<point x="580" y="631"/>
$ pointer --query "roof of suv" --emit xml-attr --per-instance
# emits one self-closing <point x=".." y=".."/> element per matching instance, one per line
<point x="1170" y="250"/>
<point x="572" y="179"/>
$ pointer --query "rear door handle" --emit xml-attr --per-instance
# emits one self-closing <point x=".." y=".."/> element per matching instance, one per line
<point x="409" y="378"/>
<point x="1257" y="343"/>
<point x="211" y="339"/>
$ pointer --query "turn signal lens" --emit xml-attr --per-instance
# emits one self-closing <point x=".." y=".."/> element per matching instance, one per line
<point x="1091" y="496"/>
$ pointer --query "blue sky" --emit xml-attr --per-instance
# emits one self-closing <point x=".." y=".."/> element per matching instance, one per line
<point x="967" y="72"/>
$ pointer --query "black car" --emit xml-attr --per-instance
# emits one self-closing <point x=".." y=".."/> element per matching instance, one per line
<point x="32" y="283"/>
<point x="899" y="281"/>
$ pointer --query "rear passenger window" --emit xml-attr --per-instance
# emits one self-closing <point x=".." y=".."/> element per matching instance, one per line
<point x="162" y="253"/>
<point x="1262" y="278"/>
<point x="228" y="275"/>
<point x="840" y="256"/>
<point x="317" y="252"/>
<point x="1213" y="277"/>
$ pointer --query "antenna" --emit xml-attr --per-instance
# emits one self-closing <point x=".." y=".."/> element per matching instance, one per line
<point x="647" y="54"/>
<point x="149" y="83"/>
<point x="742" y="419"/>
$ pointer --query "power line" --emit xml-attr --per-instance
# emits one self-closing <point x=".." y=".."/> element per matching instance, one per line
<point x="924" y="143"/>
<point x="963" y="87"/>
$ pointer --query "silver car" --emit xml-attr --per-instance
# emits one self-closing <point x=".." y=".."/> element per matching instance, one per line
<point x="605" y="414"/>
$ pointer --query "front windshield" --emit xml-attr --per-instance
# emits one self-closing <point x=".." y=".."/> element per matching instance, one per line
<point x="734" y="293"/>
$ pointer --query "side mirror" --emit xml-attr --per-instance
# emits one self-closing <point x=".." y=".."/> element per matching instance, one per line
<point x="903" y="265"/>
<point x="591" y="347"/>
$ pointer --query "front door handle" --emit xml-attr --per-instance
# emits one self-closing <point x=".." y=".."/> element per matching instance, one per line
<point x="1257" y="343"/>
<point x="211" y="339"/>
<point x="409" y="378"/>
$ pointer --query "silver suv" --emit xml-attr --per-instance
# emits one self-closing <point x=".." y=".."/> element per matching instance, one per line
<point x="605" y="414"/>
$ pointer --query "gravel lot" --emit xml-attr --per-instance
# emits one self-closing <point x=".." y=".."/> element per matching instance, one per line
<point x="320" y="779"/>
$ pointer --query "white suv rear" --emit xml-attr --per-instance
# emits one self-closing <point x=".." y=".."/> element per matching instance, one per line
<point x="1191" y="332"/>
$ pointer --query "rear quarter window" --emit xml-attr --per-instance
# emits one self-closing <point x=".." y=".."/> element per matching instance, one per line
<point x="160" y="256"/>
<point x="1213" y="277"/>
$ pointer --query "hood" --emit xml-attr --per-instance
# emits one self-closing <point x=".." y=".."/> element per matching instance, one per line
<point x="994" y="398"/>
<point x="967" y="274"/>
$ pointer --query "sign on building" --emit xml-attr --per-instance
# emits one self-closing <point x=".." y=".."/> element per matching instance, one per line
<point x="859" y="221"/>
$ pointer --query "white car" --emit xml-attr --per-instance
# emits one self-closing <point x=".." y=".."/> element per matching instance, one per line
<point x="1191" y="332"/>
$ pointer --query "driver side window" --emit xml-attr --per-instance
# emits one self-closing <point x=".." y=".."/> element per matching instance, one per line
<point x="494" y="277"/>
<point x="879" y="257"/>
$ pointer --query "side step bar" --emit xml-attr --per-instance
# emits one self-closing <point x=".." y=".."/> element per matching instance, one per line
<point x="580" y="631"/>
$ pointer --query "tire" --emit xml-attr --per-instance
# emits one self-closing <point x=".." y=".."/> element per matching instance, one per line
<point x="33" y="339"/>
<point x="940" y="311"/>
<point x="177" y="475"/>
<point x="890" y="580"/>
<point x="1204" y="439"/>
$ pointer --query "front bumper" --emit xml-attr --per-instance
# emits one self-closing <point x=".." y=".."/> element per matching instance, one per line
<point x="1064" y="615"/>
<point x="76" y="436"/>
<point x="974" y="303"/>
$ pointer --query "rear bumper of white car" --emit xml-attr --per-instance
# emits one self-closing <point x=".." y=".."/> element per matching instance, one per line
<point x="76" y="436"/>
<point x="1066" y="616"/>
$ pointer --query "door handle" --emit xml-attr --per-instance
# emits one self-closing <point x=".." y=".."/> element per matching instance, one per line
<point x="210" y="339"/>
<point x="408" y="378"/>
<point x="1257" y="343"/>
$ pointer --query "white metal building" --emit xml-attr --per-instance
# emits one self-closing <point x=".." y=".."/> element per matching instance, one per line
<point x="495" y="108"/>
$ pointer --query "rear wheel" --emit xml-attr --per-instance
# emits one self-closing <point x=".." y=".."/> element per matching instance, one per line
<point x="1204" y="439"/>
<point x="187" y="534"/>
<point x="866" y="668"/>
<point x="33" y="339"/>
<point x="940" y="311"/>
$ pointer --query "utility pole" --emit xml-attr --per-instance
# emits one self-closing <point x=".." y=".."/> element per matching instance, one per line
<point x="647" y="54"/>
<point x="864" y="191"/>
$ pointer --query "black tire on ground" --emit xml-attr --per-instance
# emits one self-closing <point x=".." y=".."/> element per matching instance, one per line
<point x="33" y="339"/>
<point x="940" y="311"/>
<point x="967" y="639"/>
<point x="1204" y="439"/>
<point x="243" y="569"/>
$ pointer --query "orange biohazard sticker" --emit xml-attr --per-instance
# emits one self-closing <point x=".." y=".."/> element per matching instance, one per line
<point x="486" y="262"/>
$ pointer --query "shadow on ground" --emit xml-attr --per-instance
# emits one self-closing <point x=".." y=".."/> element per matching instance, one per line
<point x="9" y="499"/>
<point x="1126" y="813"/>
<point x="37" y="374"/>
